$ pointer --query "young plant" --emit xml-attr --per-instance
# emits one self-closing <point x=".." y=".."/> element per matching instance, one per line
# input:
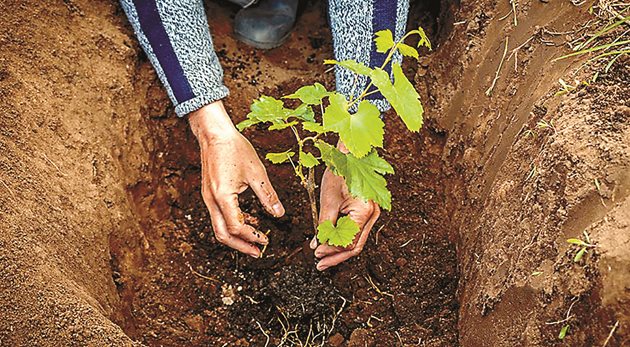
<point x="583" y="245"/>
<point x="355" y="121"/>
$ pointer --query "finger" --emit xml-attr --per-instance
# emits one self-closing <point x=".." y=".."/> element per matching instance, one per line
<point x="337" y="258"/>
<point x="240" y="245"/>
<point x="266" y="194"/>
<point x="250" y="234"/>
<point x="235" y="221"/>
<point x="221" y="233"/>
<point x="326" y="250"/>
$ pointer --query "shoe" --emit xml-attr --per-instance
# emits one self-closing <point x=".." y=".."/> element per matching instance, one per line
<point x="243" y="3"/>
<point x="266" y="25"/>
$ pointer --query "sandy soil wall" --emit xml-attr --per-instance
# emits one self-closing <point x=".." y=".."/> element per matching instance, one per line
<point x="530" y="188"/>
<point x="67" y="102"/>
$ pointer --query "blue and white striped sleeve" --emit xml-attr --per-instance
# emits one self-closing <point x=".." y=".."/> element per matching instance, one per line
<point x="176" y="38"/>
<point x="354" y="24"/>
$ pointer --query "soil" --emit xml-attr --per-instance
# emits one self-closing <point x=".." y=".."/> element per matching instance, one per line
<point x="105" y="239"/>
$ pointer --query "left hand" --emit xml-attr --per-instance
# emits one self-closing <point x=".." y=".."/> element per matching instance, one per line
<point x="334" y="199"/>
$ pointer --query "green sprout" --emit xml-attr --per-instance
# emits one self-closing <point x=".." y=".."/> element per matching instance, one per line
<point x="583" y="245"/>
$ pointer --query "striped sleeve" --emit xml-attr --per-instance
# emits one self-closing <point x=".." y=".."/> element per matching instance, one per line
<point x="175" y="36"/>
<point x="354" y="24"/>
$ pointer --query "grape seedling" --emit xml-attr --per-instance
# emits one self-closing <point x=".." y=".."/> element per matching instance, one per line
<point x="355" y="121"/>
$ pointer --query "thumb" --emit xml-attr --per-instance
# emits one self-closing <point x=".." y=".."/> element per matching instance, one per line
<point x="266" y="194"/>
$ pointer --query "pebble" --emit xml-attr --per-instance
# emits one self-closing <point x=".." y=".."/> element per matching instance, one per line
<point x="401" y="262"/>
<point x="336" y="340"/>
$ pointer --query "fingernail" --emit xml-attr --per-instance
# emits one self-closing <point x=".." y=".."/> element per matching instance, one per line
<point x="278" y="209"/>
<point x="255" y="255"/>
<point x="313" y="244"/>
<point x="321" y="267"/>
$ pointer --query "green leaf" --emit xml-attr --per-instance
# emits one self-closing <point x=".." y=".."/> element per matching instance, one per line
<point x="402" y="95"/>
<point x="563" y="332"/>
<point x="424" y="40"/>
<point x="280" y="126"/>
<point x="308" y="160"/>
<point x="279" y="158"/>
<point x="384" y="40"/>
<point x="303" y="112"/>
<point x="341" y="235"/>
<point x="577" y="242"/>
<point x="408" y="51"/>
<point x="579" y="255"/>
<point x="351" y="65"/>
<point x="537" y="273"/>
<point x="360" y="131"/>
<point x="364" y="176"/>
<point x="313" y="127"/>
<point x="311" y="95"/>
<point x="268" y="109"/>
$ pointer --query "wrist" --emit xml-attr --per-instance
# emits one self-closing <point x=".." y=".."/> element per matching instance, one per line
<point x="211" y="123"/>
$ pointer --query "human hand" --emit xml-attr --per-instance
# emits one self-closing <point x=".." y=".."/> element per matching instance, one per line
<point x="334" y="199"/>
<point x="229" y="164"/>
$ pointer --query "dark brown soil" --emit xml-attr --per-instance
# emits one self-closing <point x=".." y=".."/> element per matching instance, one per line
<point x="105" y="240"/>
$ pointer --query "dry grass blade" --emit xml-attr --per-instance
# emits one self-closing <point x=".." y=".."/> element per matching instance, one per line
<point x="610" y="335"/>
<point x="497" y="74"/>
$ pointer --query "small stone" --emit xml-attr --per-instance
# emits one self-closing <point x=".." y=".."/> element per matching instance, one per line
<point x="401" y="262"/>
<point x="336" y="340"/>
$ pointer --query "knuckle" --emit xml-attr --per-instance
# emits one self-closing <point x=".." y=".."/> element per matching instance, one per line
<point x="222" y="238"/>
<point x="234" y="230"/>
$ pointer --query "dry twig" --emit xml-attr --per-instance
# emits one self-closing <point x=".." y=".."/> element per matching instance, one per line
<point x="498" y="72"/>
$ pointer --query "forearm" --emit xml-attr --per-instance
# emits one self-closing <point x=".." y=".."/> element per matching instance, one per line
<point x="176" y="38"/>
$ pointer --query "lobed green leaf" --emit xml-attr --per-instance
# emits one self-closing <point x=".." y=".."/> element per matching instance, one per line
<point x="363" y="176"/>
<point x="311" y="95"/>
<point x="268" y="109"/>
<point x="384" y="40"/>
<point x="360" y="131"/>
<point x="340" y="235"/>
<point x="424" y="40"/>
<point x="401" y="95"/>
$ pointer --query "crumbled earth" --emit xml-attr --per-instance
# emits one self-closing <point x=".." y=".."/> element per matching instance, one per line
<point x="106" y="241"/>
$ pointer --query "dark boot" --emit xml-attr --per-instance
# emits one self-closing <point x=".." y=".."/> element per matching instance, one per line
<point x="266" y="25"/>
<point x="243" y="3"/>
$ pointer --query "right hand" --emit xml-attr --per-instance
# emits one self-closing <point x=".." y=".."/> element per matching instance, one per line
<point x="229" y="164"/>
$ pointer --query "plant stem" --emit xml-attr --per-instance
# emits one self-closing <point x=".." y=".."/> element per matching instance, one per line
<point x="390" y="54"/>
<point x="309" y="181"/>
<point x="310" y="188"/>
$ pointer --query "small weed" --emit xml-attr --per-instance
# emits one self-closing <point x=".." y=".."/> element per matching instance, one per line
<point x="583" y="245"/>
<point x="563" y="332"/>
